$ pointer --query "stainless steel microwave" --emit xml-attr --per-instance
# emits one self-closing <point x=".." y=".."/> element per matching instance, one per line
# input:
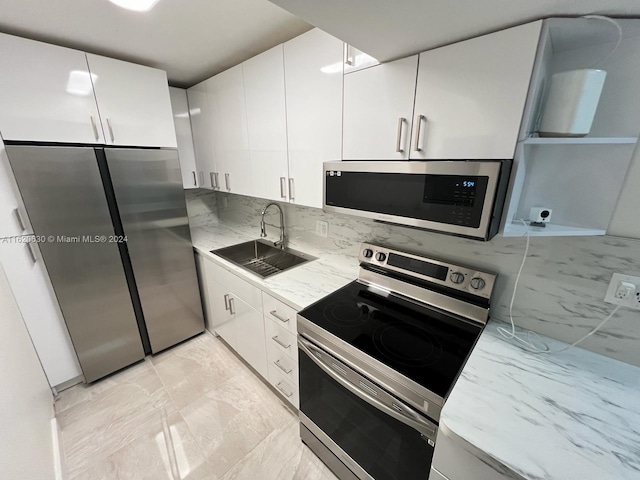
<point x="457" y="197"/>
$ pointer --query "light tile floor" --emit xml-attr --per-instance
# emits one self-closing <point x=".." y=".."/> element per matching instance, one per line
<point x="194" y="412"/>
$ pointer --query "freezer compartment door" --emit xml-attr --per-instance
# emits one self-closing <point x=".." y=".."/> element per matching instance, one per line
<point x="66" y="204"/>
<point x="150" y="197"/>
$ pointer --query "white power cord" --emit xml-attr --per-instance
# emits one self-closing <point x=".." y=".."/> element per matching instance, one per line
<point x="530" y="346"/>
<point x="618" y="27"/>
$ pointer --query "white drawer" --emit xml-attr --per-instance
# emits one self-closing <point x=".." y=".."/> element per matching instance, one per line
<point x="288" y="366"/>
<point x="235" y="284"/>
<point x="279" y="312"/>
<point x="288" y="390"/>
<point x="281" y="339"/>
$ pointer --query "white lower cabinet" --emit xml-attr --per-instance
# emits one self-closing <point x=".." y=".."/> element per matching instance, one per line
<point x="260" y="328"/>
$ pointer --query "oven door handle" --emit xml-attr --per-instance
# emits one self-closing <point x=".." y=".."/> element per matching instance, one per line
<point x="415" y="421"/>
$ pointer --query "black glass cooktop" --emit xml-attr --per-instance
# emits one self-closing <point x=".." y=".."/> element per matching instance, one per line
<point x="423" y="344"/>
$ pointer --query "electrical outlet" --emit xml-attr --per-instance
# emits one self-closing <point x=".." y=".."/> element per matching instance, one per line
<point x="322" y="228"/>
<point x="624" y="290"/>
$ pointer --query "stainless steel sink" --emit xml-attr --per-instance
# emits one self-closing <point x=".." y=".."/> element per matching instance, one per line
<point x="262" y="258"/>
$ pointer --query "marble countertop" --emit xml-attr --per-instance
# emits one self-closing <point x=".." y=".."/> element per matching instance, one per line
<point x="299" y="287"/>
<point x="565" y="416"/>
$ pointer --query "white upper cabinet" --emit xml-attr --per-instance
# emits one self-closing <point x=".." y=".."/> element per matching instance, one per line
<point x="46" y="93"/>
<point x="202" y="126"/>
<point x="267" y="124"/>
<point x="378" y="107"/>
<point x="182" y="124"/>
<point x="134" y="103"/>
<point x="313" y="80"/>
<point x="229" y="132"/>
<point x="470" y="96"/>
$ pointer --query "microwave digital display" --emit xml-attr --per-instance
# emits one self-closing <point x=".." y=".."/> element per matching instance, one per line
<point x="451" y="190"/>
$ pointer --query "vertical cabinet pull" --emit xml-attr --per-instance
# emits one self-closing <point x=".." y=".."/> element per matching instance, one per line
<point x="232" y="308"/>
<point x="226" y="302"/>
<point x="292" y="192"/>
<point x="419" y="119"/>
<point x="211" y="179"/>
<point x="195" y="182"/>
<point x="226" y="181"/>
<point x="283" y="187"/>
<point x="217" y="183"/>
<point x="347" y="58"/>
<point x="31" y="253"/>
<point x="113" y="139"/>
<point x="95" y="128"/>
<point x="399" y="142"/>
<point x="16" y="213"/>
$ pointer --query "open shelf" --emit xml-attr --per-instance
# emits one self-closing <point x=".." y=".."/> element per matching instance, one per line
<point x="517" y="229"/>
<point x="580" y="140"/>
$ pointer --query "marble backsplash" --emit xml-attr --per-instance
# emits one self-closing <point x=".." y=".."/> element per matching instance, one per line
<point x="560" y="293"/>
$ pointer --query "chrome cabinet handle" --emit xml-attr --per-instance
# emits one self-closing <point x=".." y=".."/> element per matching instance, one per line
<point x="211" y="179"/>
<point x="195" y="182"/>
<point x="16" y="213"/>
<point x="280" y="342"/>
<point x="226" y="302"/>
<point x="406" y="415"/>
<point x="283" y="187"/>
<point x="31" y="253"/>
<point x="282" y="367"/>
<point x="399" y="148"/>
<point x="232" y="309"/>
<point x="347" y="60"/>
<point x="226" y="181"/>
<point x="286" y="394"/>
<point x="217" y="182"/>
<point x="95" y="128"/>
<point x="110" y="130"/>
<point x="416" y="144"/>
<point x="292" y="192"/>
<point x="275" y="314"/>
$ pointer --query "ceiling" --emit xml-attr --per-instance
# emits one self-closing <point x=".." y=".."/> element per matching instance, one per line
<point x="390" y="29"/>
<point x="190" y="39"/>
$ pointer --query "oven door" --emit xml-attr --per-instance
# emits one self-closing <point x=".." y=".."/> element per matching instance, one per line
<point x="346" y="416"/>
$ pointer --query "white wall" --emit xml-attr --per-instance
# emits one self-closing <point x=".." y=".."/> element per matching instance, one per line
<point x="26" y="403"/>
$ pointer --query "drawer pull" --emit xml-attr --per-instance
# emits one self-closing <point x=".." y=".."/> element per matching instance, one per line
<point x="282" y="367"/>
<point x="280" y="342"/>
<point x="286" y="394"/>
<point x="226" y="302"/>
<point x="275" y="314"/>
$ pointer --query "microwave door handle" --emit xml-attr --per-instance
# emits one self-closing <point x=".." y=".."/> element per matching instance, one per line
<point x="415" y="422"/>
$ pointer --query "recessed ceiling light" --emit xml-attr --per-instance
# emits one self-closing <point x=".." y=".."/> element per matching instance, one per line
<point x="136" y="5"/>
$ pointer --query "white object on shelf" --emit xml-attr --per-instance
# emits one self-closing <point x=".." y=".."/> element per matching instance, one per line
<point x="580" y="140"/>
<point x="572" y="102"/>
<point x="540" y="214"/>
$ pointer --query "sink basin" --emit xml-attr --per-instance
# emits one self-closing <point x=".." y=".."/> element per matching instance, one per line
<point x="262" y="258"/>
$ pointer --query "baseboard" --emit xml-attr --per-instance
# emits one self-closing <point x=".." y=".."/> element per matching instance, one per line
<point x="58" y="453"/>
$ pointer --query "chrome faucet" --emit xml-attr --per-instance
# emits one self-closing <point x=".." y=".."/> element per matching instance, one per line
<point x="263" y="233"/>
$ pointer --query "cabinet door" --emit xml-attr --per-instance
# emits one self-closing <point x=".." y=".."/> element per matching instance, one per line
<point x="134" y="103"/>
<point x="222" y="321"/>
<point x="230" y="136"/>
<point x="32" y="289"/>
<point x="202" y="128"/>
<point x="314" y="111"/>
<point x="13" y="217"/>
<point x="378" y="106"/>
<point x="46" y="93"/>
<point x="250" y="341"/>
<point x="266" y="120"/>
<point x="470" y="95"/>
<point x="182" y="124"/>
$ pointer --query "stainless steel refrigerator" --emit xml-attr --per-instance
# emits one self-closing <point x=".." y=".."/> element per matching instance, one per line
<point x="113" y="231"/>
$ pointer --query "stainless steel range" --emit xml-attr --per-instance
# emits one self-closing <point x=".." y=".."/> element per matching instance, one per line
<point x="379" y="357"/>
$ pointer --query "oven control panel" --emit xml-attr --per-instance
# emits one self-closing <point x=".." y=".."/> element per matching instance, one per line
<point x="460" y="278"/>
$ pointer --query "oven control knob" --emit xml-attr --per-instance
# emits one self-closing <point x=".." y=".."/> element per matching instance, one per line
<point x="368" y="253"/>
<point x="477" y="283"/>
<point x="381" y="257"/>
<point x="457" y="277"/>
